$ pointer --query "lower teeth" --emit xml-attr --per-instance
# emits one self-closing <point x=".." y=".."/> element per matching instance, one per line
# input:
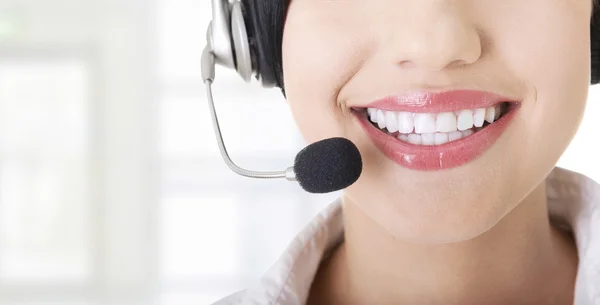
<point x="431" y="139"/>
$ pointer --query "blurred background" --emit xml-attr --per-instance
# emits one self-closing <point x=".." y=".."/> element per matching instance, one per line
<point x="112" y="190"/>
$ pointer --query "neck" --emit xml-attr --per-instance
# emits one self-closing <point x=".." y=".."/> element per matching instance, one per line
<point x="521" y="254"/>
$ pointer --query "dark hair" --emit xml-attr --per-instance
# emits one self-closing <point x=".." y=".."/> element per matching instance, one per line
<point x="269" y="16"/>
<point x="267" y="29"/>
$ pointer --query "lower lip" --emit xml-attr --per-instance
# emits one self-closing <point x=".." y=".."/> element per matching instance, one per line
<point x="440" y="157"/>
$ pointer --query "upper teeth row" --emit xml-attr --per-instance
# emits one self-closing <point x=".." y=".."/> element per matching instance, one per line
<point x="407" y="122"/>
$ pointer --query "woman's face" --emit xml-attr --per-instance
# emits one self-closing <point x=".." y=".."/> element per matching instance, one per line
<point x="432" y="62"/>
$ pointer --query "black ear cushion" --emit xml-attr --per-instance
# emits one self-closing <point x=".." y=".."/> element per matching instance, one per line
<point x="595" y="42"/>
<point x="264" y="23"/>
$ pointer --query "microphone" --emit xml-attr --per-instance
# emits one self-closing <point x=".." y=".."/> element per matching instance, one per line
<point x="325" y="166"/>
<point x="328" y="165"/>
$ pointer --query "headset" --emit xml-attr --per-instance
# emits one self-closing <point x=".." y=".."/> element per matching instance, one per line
<point x="240" y="38"/>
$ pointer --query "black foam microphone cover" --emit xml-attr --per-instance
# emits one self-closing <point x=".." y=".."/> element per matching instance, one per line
<point x="328" y="165"/>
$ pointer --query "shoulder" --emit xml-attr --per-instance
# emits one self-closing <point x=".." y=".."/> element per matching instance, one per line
<point x="574" y="199"/>
<point x="232" y="299"/>
<point x="288" y="280"/>
<point x="572" y="193"/>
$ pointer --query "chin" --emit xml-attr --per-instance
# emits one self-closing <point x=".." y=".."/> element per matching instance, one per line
<point x="432" y="214"/>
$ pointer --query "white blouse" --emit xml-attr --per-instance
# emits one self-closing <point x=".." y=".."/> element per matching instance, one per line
<point x="573" y="203"/>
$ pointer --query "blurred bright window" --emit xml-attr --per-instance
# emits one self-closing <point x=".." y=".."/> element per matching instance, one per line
<point x="44" y="171"/>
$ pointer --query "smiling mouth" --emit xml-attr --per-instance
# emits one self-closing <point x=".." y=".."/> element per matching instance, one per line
<point x="434" y="129"/>
<point x="429" y="131"/>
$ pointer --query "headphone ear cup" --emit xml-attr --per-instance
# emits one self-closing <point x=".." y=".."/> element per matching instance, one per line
<point x="241" y="45"/>
<point x="261" y="30"/>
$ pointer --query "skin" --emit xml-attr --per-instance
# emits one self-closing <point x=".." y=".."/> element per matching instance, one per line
<point x="474" y="234"/>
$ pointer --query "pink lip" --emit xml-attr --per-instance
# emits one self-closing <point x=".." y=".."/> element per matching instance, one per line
<point x="449" y="155"/>
<point x="439" y="101"/>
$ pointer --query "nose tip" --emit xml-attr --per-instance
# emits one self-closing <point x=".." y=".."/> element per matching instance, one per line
<point x="413" y="64"/>
<point x="434" y="40"/>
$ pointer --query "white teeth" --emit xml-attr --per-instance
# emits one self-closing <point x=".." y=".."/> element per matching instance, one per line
<point x="434" y="128"/>
<point x="414" y="138"/>
<point x="446" y="122"/>
<point x="479" y="117"/>
<point x="372" y="112"/>
<point x="465" y="119"/>
<point x="441" y="138"/>
<point x="433" y="138"/>
<point x="453" y="136"/>
<point x="424" y="123"/>
<point x="405" y="122"/>
<point x="428" y="139"/>
<point x="380" y="119"/>
<point x="391" y="121"/>
<point x="490" y="114"/>
<point x="373" y="115"/>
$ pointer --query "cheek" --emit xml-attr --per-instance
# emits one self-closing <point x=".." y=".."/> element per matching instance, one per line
<point x="318" y="61"/>
<point x="554" y="58"/>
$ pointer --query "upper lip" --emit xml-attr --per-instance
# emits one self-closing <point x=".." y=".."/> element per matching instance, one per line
<point x="447" y="101"/>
